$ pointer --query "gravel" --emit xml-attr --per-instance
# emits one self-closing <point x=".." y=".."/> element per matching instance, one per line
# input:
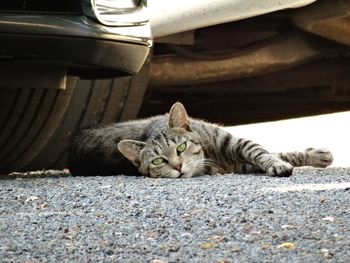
<point x="54" y="217"/>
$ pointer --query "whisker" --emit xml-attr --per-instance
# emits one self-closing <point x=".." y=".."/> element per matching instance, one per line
<point x="204" y="163"/>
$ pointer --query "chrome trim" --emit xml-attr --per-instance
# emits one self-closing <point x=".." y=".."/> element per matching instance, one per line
<point x="107" y="15"/>
<point x="75" y="26"/>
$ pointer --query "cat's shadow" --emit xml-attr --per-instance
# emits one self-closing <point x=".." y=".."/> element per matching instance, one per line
<point x="36" y="174"/>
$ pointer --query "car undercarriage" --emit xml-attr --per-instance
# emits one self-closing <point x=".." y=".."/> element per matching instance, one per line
<point x="280" y="65"/>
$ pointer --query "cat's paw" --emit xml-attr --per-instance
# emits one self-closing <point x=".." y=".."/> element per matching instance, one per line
<point x="319" y="157"/>
<point x="280" y="168"/>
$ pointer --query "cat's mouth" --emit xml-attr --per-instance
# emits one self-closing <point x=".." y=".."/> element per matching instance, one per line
<point x="185" y="175"/>
<point x="181" y="175"/>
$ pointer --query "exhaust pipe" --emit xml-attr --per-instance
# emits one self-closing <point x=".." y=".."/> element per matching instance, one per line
<point x="177" y="70"/>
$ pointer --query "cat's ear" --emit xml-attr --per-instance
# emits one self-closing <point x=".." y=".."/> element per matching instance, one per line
<point x="131" y="150"/>
<point x="178" y="117"/>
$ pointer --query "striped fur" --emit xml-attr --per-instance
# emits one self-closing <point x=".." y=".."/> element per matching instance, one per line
<point x="154" y="146"/>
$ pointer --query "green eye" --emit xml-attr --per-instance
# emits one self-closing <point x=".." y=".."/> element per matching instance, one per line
<point x="181" y="147"/>
<point x="158" y="161"/>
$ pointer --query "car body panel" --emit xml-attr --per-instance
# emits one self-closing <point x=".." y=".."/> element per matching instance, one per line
<point x="192" y="14"/>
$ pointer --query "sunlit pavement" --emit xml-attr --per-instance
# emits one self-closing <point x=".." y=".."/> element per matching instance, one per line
<point x="331" y="131"/>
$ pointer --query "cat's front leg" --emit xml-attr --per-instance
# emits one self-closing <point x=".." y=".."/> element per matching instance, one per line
<point x="256" y="155"/>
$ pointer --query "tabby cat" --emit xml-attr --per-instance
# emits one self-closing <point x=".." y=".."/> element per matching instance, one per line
<point x="176" y="146"/>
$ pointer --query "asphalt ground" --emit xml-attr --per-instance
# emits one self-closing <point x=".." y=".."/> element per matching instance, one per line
<point x="54" y="217"/>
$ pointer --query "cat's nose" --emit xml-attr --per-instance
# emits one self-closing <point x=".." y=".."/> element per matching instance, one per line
<point x="178" y="167"/>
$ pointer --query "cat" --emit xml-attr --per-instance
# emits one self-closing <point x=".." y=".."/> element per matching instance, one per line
<point x="176" y="146"/>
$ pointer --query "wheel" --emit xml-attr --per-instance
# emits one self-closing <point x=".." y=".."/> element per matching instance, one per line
<point x="36" y="124"/>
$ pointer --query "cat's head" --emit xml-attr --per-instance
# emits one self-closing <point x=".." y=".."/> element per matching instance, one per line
<point x="175" y="153"/>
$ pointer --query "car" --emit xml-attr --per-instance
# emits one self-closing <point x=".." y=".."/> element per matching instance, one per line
<point x="230" y="61"/>
<point x="64" y="65"/>
<point x="237" y="62"/>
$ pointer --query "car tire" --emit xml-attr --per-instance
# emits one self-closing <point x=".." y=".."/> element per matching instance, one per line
<point x="37" y="124"/>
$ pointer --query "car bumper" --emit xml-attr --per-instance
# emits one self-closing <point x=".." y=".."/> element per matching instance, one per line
<point x="76" y="42"/>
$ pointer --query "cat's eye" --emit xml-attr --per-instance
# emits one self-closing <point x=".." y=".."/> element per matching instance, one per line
<point x="158" y="161"/>
<point x="181" y="147"/>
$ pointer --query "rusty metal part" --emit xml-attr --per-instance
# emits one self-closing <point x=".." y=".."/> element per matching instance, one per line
<point x="183" y="38"/>
<point x="326" y="72"/>
<point x="328" y="18"/>
<point x="317" y="87"/>
<point x="285" y="53"/>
